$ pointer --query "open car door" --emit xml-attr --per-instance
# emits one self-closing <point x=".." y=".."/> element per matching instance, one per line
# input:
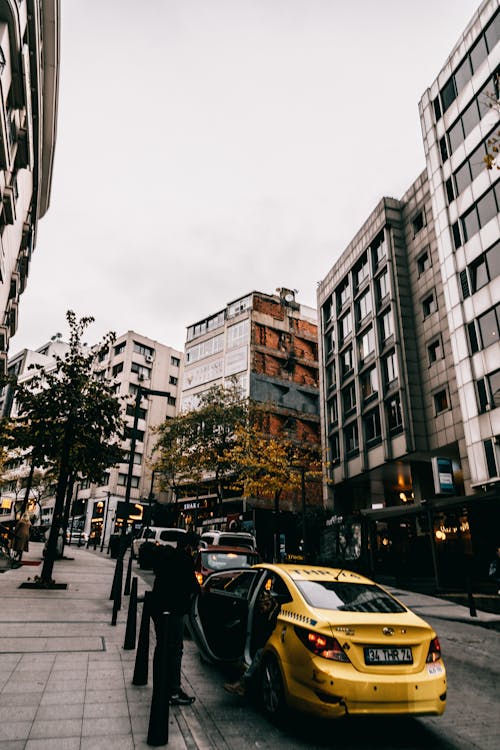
<point x="219" y="616"/>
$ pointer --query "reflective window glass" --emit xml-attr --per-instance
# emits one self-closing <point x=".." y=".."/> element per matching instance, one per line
<point x="488" y="326"/>
<point x="448" y="94"/>
<point x="478" y="273"/>
<point x="463" y="177"/>
<point x="492" y="33"/>
<point x="470" y="118"/>
<point x="462" y="75"/>
<point x="470" y="224"/>
<point x="455" y="136"/>
<point x="486" y="208"/>
<point x="478" y="53"/>
<point x="493" y="260"/>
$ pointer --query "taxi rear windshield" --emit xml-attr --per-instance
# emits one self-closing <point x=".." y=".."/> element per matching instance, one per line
<point x="225" y="560"/>
<point x="348" y="597"/>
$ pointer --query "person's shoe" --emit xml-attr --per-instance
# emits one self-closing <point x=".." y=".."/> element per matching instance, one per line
<point x="180" y="698"/>
<point x="236" y="688"/>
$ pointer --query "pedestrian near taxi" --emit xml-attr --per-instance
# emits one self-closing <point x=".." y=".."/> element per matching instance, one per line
<point x="174" y="586"/>
<point x="21" y="536"/>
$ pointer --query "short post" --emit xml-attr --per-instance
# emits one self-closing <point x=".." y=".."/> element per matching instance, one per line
<point x="131" y="629"/>
<point x="470" y="597"/>
<point x="159" y="714"/>
<point x="117" y="580"/>
<point x="128" y="577"/>
<point x="142" y="654"/>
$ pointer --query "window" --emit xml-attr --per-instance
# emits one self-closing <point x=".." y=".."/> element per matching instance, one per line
<point x="435" y="351"/>
<point x="117" y="369"/>
<point x="173" y="380"/>
<point x="364" y="305"/>
<point x="379" y="250"/>
<point x="486" y="208"/>
<point x="120" y="348"/>
<point x="147" y="351"/>
<point x="349" y="398"/>
<point x="418" y="223"/>
<point x="205" y="348"/>
<point x="424" y="261"/>
<point x="441" y="402"/>
<point x="143" y="372"/>
<point x="351" y="438"/>
<point x="346" y="362"/>
<point x="2" y="60"/>
<point x="390" y="368"/>
<point x="139" y="434"/>
<point x="382" y="286"/>
<point x="329" y="344"/>
<point x="386" y="326"/>
<point x="472" y="115"/>
<point x="345" y="327"/>
<point x="366" y="345"/>
<point x="239" y="306"/>
<point x="333" y="414"/>
<point x="371" y="424"/>
<point x="489" y="326"/>
<point x="175" y="361"/>
<point x="237" y="335"/>
<point x="491" y="455"/>
<point x="122" y="480"/>
<point x="493" y="381"/>
<point x="327" y="312"/>
<point x="334" y="444"/>
<point x="394" y="417"/>
<point x="429" y="305"/>
<point x="362" y="272"/>
<point x="343" y="294"/>
<point x="171" y="400"/>
<point x="131" y="411"/>
<point x="331" y="380"/>
<point x="369" y="384"/>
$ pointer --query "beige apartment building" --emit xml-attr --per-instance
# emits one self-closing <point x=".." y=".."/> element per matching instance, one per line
<point x="133" y="360"/>
<point x="29" y="74"/>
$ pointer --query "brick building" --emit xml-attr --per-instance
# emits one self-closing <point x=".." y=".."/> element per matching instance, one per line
<point x="268" y="344"/>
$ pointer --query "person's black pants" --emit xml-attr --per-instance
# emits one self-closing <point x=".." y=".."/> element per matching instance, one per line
<point x="174" y="647"/>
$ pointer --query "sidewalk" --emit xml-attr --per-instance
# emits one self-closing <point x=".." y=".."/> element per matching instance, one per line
<point x="65" y="679"/>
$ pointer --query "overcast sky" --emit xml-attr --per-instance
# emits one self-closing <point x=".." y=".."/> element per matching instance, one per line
<point x="207" y="148"/>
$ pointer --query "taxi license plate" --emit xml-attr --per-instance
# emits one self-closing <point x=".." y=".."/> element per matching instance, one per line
<point x="397" y="655"/>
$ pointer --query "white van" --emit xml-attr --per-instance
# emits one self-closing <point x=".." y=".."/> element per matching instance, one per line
<point x="157" y="535"/>
<point x="228" y="539"/>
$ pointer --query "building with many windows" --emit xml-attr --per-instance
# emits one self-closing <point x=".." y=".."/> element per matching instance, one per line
<point x="409" y="345"/>
<point x="29" y="73"/>
<point x="268" y="344"/>
<point x="133" y="360"/>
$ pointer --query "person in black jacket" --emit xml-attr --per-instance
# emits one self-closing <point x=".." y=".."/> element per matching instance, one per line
<point x="174" y="587"/>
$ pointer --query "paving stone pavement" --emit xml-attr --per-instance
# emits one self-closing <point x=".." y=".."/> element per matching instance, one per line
<point x="66" y="680"/>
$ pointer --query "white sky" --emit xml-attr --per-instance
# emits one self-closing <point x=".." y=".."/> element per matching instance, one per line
<point x="207" y="148"/>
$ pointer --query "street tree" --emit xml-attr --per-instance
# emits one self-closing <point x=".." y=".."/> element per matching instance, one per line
<point x="193" y="446"/>
<point x="73" y="421"/>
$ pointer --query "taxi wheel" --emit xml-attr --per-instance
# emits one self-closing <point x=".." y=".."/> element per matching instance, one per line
<point x="272" y="689"/>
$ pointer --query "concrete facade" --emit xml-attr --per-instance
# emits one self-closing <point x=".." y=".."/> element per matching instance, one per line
<point x="29" y="73"/>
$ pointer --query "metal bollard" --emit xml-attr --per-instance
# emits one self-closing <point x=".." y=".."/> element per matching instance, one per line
<point x="130" y="631"/>
<point x="142" y="654"/>
<point x="470" y="597"/>
<point x="128" y="577"/>
<point x="159" y="714"/>
<point x="116" y="586"/>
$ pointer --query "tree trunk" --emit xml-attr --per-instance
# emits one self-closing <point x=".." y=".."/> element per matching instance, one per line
<point x="62" y="482"/>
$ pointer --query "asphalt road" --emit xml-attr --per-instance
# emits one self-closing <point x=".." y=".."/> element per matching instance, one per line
<point x="471" y="720"/>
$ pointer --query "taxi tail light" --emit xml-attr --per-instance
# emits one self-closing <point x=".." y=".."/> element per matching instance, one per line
<point x="434" y="653"/>
<point x="322" y="645"/>
<point x="199" y="578"/>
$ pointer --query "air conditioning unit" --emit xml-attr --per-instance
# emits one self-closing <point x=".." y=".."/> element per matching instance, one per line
<point x="149" y="357"/>
<point x="140" y="376"/>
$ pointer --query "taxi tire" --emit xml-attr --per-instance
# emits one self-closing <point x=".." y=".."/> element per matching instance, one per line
<point x="272" y="688"/>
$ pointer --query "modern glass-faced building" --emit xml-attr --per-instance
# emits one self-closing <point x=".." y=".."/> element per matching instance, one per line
<point x="409" y="341"/>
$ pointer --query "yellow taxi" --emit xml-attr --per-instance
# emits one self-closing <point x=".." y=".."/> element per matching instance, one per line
<point x="341" y="645"/>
